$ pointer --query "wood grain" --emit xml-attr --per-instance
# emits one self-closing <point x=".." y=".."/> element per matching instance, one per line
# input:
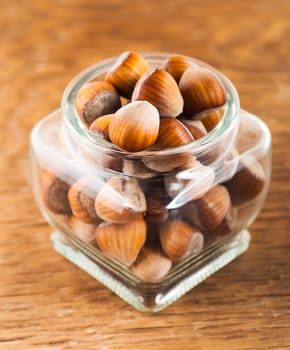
<point x="46" y="302"/>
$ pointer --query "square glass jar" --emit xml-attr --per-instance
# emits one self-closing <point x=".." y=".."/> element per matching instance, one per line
<point x="169" y="218"/>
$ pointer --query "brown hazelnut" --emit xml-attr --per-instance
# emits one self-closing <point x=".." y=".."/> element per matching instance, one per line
<point x="121" y="241"/>
<point x="160" y="89"/>
<point x="201" y="89"/>
<point x="156" y="208"/>
<point x="82" y="197"/>
<point x="248" y="182"/>
<point x="179" y="239"/>
<point x="126" y="71"/>
<point x="101" y="126"/>
<point x="120" y="200"/>
<point x="208" y="211"/>
<point x="151" y="265"/>
<point x="55" y="193"/>
<point x="96" y="99"/>
<point x="172" y="133"/>
<point x="176" y="65"/>
<point x="226" y="226"/>
<point x="195" y="127"/>
<point x="188" y="184"/>
<point x="135" y="126"/>
<point x="83" y="230"/>
<point x="211" y="119"/>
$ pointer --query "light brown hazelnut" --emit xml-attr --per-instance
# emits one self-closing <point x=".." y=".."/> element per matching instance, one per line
<point x="165" y="163"/>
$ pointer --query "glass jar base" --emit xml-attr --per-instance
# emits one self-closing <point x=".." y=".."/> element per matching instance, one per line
<point x="154" y="299"/>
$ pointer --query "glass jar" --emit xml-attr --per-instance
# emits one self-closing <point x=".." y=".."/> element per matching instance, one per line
<point x="170" y="218"/>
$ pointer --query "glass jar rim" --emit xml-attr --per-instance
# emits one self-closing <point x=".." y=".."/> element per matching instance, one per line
<point x="72" y="120"/>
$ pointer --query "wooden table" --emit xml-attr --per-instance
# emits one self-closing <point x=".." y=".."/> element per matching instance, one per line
<point x="48" y="303"/>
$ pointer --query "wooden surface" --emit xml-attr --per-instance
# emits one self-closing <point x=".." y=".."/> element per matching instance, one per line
<point x="48" y="303"/>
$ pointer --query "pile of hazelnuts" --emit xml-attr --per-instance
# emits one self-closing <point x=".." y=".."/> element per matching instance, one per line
<point x="131" y="217"/>
<point x="139" y="108"/>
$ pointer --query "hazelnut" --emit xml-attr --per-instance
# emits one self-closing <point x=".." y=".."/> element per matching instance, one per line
<point x="217" y="152"/>
<point x="172" y="133"/>
<point x="121" y="241"/>
<point x="188" y="184"/>
<point x="83" y="230"/>
<point x="156" y="199"/>
<point x="227" y="167"/>
<point x="151" y="265"/>
<point x="208" y="211"/>
<point x="179" y="239"/>
<point x="176" y="65"/>
<point x="96" y="99"/>
<point x="195" y="127"/>
<point x="120" y="200"/>
<point x="54" y="193"/>
<point x="248" y="182"/>
<point x="126" y="71"/>
<point x="81" y="196"/>
<point x="136" y="168"/>
<point x="160" y="89"/>
<point x="201" y="89"/>
<point x="211" y="119"/>
<point x="165" y="163"/>
<point x="156" y="208"/>
<point x="101" y="126"/>
<point x="226" y="226"/>
<point x="135" y="126"/>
